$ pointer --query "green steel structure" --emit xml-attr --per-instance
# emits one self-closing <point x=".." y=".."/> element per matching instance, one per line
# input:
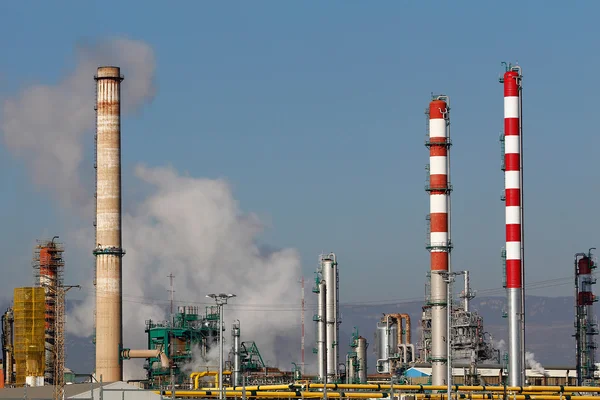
<point x="352" y="364"/>
<point x="251" y="358"/>
<point x="188" y="334"/>
<point x="185" y="339"/>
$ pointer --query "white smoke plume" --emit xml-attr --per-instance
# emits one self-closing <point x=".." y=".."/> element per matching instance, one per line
<point x="187" y="226"/>
<point x="203" y="362"/>
<point x="499" y="345"/>
<point x="534" y="364"/>
<point x="193" y="228"/>
<point x="44" y="125"/>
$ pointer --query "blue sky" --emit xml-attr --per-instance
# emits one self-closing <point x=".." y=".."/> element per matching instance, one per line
<point x="314" y="112"/>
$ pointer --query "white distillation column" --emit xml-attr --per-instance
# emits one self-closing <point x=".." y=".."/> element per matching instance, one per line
<point x="329" y="268"/>
<point x="235" y="333"/>
<point x="321" y="330"/>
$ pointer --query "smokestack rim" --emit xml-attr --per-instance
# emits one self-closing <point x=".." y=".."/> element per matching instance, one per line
<point x="109" y="72"/>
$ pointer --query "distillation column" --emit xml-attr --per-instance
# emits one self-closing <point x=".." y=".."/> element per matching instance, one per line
<point x="585" y="323"/>
<point x="108" y="250"/>
<point x="330" y="274"/>
<point x="467" y="295"/>
<point x="361" y="357"/>
<point x="439" y="244"/>
<point x="237" y="365"/>
<point x="321" y="290"/>
<point x="512" y="182"/>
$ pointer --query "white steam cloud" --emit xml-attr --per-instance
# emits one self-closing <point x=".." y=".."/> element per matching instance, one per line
<point x="187" y="226"/>
<point x="499" y="345"/>
<point x="534" y="364"/>
<point x="194" y="229"/>
<point x="44" y="124"/>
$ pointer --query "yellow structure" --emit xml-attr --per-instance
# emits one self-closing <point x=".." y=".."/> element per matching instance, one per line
<point x="29" y="332"/>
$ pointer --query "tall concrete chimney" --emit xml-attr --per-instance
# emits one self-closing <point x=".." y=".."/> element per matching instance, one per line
<point x="108" y="251"/>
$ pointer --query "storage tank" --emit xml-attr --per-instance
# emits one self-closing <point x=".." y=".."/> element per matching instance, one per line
<point x="386" y="339"/>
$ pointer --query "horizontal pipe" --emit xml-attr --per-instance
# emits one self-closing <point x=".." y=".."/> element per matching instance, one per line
<point x="499" y="396"/>
<point x="128" y="353"/>
<point x="269" y="394"/>
<point x="512" y="389"/>
<point x="360" y="395"/>
<point x="262" y="387"/>
<point x="518" y="389"/>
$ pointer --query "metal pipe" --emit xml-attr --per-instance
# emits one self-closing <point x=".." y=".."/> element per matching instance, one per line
<point x="321" y="331"/>
<point x="402" y="346"/>
<point x="127" y="354"/>
<point x="282" y="394"/>
<point x="108" y="251"/>
<point x="439" y="354"/>
<point x="462" y="388"/>
<point x="221" y="328"/>
<point x="366" y="395"/>
<point x="197" y="375"/>
<point x="407" y="329"/>
<point x="412" y="352"/>
<point x="235" y="332"/>
<point x="467" y="294"/>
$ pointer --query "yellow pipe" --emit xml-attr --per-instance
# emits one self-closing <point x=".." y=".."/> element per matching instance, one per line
<point x="217" y="377"/>
<point x="363" y="395"/>
<point x="512" y="389"/>
<point x="259" y="387"/>
<point x="482" y="396"/>
<point x="193" y="376"/>
<point x="268" y="394"/>
<point x="197" y="375"/>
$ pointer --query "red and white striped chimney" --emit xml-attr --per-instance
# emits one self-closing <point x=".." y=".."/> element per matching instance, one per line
<point x="512" y="183"/>
<point x="439" y="244"/>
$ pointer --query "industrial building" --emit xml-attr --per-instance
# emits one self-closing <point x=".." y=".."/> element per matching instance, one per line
<point x="470" y="343"/>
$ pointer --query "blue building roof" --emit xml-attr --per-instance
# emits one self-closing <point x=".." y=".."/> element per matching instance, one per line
<point x="415" y="373"/>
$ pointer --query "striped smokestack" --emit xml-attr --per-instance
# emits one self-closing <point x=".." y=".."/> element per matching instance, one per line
<point x="108" y="251"/>
<point x="439" y="244"/>
<point x="513" y="199"/>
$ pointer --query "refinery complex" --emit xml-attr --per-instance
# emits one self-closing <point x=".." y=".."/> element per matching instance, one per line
<point x="449" y="342"/>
